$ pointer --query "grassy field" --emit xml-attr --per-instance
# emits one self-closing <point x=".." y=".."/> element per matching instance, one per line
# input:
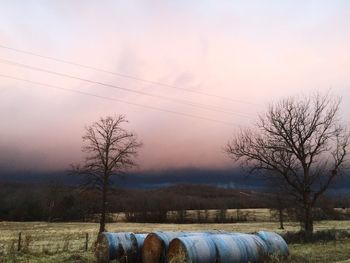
<point x="65" y="242"/>
<point x="333" y="251"/>
<point x="254" y="214"/>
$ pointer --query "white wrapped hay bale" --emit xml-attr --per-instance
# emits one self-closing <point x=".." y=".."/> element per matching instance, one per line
<point x="122" y="247"/>
<point x="192" y="249"/>
<point x="276" y="245"/>
<point x="217" y="248"/>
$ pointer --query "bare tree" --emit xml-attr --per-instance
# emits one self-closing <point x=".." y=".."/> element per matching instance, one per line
<point x="110" y="151"/>
<point x="300" y="140"/>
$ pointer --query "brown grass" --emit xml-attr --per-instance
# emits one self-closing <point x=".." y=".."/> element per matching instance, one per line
<point x="47" y="240"/>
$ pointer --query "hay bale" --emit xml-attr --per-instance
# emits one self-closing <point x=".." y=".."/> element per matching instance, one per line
<point x="114" y="246"/>
<point x="192" y="249"/>
<point x="128" y="249"/>
<point x="255" y="247"/>
<point x="156" y="244"/>
<point x="229" y="249"/>
<point x="276" y="245"/>
<point x="138" y="240"/>
<point x="217" y="248"/>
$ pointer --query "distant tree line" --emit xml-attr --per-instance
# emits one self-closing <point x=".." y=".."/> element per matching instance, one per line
<point x="57" y="202"/>
<point x="53" y="202"/>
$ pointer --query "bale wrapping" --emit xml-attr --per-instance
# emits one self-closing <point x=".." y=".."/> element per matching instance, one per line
<point x="114" y="246"/>
<point x="156" y="244"/>
<point x="128" y="251"/>
<point x="138" y="240"/>
<point x="217" y="248"/>
<point x="192" y="249"/>
<point x="274" y="242"/>
<point x="254" y="247"/>
<point x="229" y="249"/>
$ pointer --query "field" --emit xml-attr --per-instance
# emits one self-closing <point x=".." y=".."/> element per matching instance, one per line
<point x="66" y="242"/>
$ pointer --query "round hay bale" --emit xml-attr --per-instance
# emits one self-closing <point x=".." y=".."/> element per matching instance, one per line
<point x="229" y="250"/>
<point x="128" y="250"/>
<point x="138" y="240"/>
<point x="255" y="247"/>
<point x="102" y="249"/>
<point x="113" y="246"/>
<point x="156" y="244"/>
<point x="274" y="242"/>
<point x="192" y="249"/>
<point x="239" y="247"/>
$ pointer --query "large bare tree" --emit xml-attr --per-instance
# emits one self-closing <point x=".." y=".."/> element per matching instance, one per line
<point x="301" y="142"/>
<point x="110" y="150"/>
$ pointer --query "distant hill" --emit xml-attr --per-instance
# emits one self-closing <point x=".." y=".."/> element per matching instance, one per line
<point x="224" y="179"/>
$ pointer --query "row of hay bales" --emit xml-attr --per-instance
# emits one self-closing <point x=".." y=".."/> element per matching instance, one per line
<point x="189" y="247"/>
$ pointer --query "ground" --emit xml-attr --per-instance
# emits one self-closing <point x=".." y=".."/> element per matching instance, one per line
<point x="65" y="242"/>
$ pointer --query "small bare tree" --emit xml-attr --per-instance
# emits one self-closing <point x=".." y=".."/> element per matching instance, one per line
<point x="110" y="151"/>
<point x="301" y="141"/>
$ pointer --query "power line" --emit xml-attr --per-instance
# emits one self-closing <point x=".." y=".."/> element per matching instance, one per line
<point x="189" y="103"/>
<point x="123" y="75"/>
<point x="115" y="99"/>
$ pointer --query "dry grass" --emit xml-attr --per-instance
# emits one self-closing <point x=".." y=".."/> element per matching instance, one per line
<point x="65" y="242"/>
<point x="333" y="251"/>
<point x="64" y="257"/>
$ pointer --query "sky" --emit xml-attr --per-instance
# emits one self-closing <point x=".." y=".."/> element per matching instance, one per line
<point x="244" y="54"/>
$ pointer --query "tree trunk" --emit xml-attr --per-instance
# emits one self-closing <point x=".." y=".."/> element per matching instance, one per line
<point x="308" y="221"/>
<point x="103" y="210"/>
<point x="280" y="211"/>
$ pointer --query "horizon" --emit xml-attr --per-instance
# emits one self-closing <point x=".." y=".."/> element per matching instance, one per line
<point x="237" y="178"/>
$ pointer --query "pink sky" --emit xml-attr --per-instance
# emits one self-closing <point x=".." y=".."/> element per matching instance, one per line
<point x="247" y="51"/>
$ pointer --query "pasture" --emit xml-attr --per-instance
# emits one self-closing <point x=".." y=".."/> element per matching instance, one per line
<point x="66" y="242"/>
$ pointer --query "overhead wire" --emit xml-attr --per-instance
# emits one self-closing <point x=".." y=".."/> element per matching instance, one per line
<point x="118" y="100"/>
<point x="122" y="75"/>
<point x="189" y="103"/>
